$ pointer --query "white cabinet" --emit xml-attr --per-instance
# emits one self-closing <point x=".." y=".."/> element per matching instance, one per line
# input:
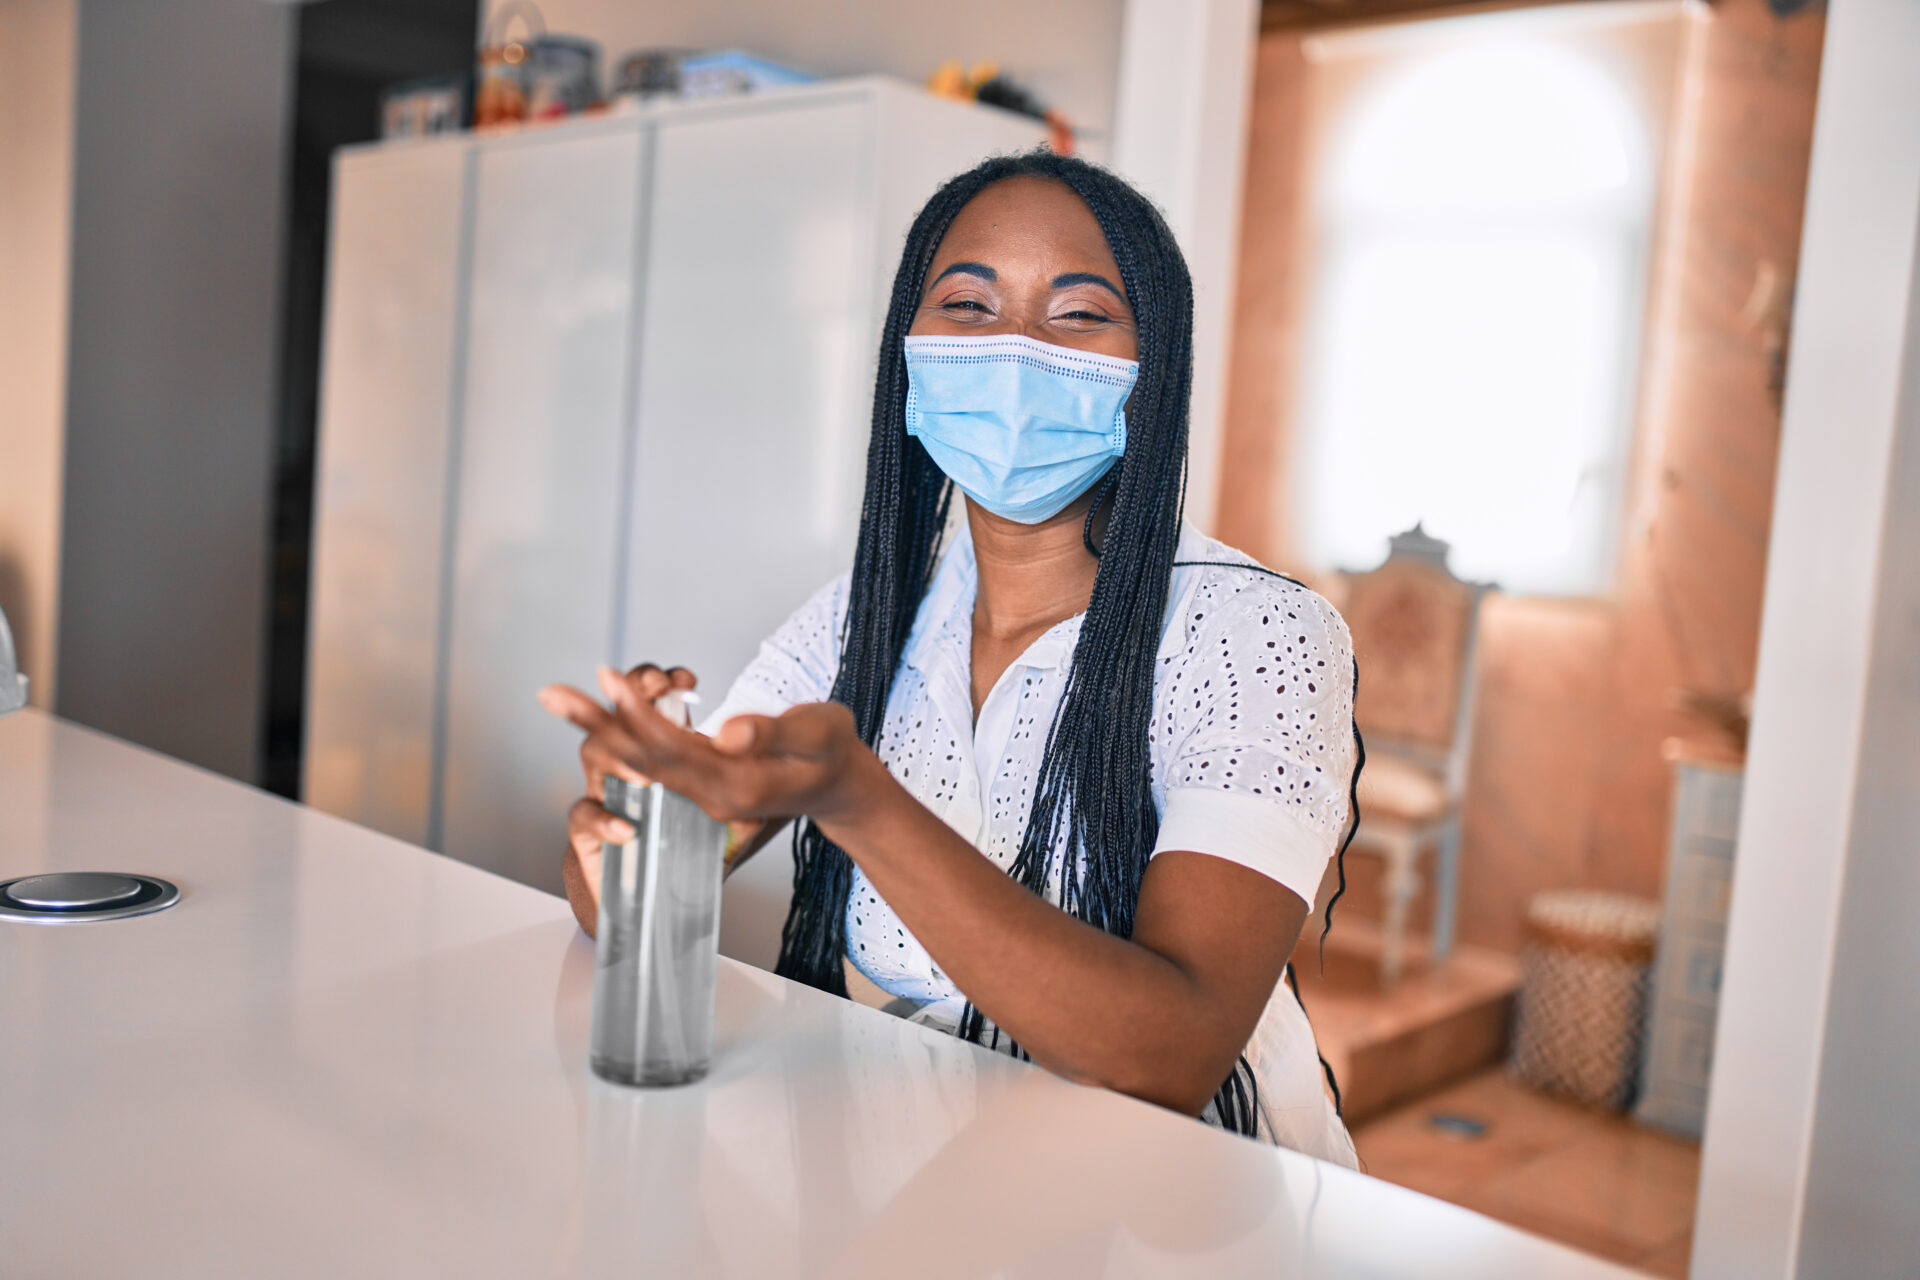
<point x="387" y="396"/>
<point x="539" y="485"/>
<point x="597" y="392"/>
<point x="788" y="308"/>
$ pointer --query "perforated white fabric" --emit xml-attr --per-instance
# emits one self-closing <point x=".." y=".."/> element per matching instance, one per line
<point x="1251" y="745"/>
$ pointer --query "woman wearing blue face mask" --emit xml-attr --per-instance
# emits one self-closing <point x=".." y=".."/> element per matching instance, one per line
<point x="1067" y="785"/>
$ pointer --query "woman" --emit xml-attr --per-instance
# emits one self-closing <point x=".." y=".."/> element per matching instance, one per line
<point x="1080" y="671"/>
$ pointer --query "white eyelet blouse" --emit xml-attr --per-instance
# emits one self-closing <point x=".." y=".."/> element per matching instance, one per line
<point x="1251" y="744"/>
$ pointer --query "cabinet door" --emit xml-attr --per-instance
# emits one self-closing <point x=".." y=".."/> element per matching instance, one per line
<point x="540" y="467"/>
<point x="380" y="505"/>
<point x="753" y="402"/>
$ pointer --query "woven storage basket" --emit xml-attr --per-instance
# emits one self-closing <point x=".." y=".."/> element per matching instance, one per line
<point x="1583" y="998"/>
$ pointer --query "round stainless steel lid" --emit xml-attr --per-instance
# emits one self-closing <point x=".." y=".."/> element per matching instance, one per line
<point x="76" y="897"/>
<point x="74" y="890"/>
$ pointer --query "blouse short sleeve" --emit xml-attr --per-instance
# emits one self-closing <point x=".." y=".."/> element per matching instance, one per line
<point x="796" y="664"/>
<point x="1254" y="729"/>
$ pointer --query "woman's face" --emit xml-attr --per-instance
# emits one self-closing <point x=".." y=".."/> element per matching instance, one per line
<point x="1027" y="256"/>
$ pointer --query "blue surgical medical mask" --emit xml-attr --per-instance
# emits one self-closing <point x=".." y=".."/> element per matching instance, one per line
<point x="1023" y="427"/>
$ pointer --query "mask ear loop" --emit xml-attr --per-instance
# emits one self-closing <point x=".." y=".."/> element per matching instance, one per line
<point x="1086" y="531"/>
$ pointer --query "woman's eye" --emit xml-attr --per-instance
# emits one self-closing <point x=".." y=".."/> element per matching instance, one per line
<point x="962" y="304"/>
<point x="1086" y="317"/>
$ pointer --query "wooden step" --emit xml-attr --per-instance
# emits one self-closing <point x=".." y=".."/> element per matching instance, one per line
<point x="1390" y="1044"/>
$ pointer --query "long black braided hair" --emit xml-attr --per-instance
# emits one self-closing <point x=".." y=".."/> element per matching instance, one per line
<point x="1095" y="770"/>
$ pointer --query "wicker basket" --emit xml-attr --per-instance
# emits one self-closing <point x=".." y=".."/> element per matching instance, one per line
<point x="1583" y="1000"/>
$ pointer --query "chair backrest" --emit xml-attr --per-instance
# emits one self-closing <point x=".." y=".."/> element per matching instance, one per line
<point x="1414" y="625"/>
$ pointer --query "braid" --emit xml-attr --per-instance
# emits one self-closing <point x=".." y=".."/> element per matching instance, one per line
<point x="1094" y="786"/>
<point x="901" y="517"/>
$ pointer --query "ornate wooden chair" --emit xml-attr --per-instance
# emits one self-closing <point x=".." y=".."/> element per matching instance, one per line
<point x="1414" y="628"/>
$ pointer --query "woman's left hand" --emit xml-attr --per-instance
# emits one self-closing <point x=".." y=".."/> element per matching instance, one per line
<point x="808" y="760"/>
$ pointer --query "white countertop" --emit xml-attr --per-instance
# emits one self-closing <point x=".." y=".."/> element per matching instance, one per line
<point x="342" y="1056"/>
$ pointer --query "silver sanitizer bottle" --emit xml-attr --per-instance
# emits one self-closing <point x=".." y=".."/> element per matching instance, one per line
<point x="657" y="946"/>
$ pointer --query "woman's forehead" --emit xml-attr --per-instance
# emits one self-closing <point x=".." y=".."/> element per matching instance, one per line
<point x="1030" y="221"/>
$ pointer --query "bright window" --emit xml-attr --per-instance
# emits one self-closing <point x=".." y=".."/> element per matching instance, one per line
<point x="1483" y="206"/>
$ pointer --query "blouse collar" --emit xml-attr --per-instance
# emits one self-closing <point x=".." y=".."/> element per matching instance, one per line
<point x="946" y="610"/>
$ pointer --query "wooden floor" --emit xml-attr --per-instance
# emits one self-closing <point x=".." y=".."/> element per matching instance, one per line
<point x="1597" y="1182"/>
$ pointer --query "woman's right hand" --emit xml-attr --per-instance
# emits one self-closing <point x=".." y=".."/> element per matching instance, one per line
<point x="589" y="824"/>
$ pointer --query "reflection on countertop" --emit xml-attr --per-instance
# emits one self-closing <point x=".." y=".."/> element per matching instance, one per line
<point x="341" y="1055"/>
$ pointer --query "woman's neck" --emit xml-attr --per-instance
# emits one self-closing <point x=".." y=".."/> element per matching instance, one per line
<point x="1031" y="576"/>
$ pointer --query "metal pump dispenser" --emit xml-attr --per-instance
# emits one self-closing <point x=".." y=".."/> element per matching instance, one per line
<point x="658" y="943"/>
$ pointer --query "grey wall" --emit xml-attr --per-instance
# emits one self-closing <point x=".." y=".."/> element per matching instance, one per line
<point x="178" y="178"/>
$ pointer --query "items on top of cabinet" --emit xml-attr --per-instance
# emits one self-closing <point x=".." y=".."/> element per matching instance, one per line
<point x="500" y="88"/>
<point x="689" y="73"/>
<point x="983" y="82"/>
<point x="563" y="77"/>
<point x="532" y="75"/>
<point x="425" y="107"/>
<point x="729" y="71"/>
<point x="650" y="73"/>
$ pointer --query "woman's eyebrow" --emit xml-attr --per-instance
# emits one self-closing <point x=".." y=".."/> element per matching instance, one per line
<point x="970" y="269"/>
<point x="1072" y="278"/>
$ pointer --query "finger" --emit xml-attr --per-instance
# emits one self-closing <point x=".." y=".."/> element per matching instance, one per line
<point x="689" y="763"/>
<point x="589" y="826"/>
<point x="582" y="836"/>
<point x="683" y="759"/>
<point x="647" y="681"/>
<point x="598" y="761"/>
<point x="640" y="687"/>
<point x="587" y="861"/>
<point x="573" y="706"/>
<point x="612" y="684"/>
<point x="660" y="740"/>
<point x="612" y="750"/>
<point x="741" y="735"/>
<point x="670" y="678"/>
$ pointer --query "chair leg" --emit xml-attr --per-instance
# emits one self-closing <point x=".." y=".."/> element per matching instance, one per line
<point x="1403" y="882"/>
<point x="1446" y="883"/>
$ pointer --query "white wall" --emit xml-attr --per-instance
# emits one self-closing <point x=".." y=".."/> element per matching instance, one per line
<point x="1066" y="51"/>
<point x="1811" y="1166"/>
<point x="36" y="184"/>
<point x="179" y="142"/>
<point x="1181" y="120"/>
